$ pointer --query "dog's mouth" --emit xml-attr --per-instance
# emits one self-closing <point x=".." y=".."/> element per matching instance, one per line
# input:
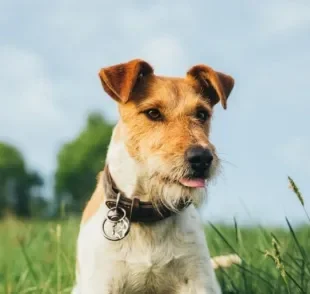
<point x="195" y="179"/>
<point x="189" y="180"/>
<point x="193" y="182"/>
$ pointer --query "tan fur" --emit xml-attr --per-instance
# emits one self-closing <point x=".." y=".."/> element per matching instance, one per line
<point x="146" y="158"/>
<point x="178" y="102"/>
<point x="95" y="201"/>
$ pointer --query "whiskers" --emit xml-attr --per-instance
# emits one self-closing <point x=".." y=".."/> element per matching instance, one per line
<point x="225" y="161"/>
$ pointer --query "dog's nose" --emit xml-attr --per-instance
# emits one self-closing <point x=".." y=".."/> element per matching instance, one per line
<point x="199" y="158"/>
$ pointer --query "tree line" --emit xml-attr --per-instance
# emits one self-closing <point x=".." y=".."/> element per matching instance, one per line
<point x="78" y="163"/>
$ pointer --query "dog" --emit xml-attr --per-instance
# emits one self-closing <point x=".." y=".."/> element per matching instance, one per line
<point x="141" y="232"/>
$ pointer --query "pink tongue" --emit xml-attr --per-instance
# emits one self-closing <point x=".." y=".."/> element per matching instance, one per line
<point x="194" y="183"/>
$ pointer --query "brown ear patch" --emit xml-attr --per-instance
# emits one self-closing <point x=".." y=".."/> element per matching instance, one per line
<point x="119" y="80"/>
<point x="214" y="86"/>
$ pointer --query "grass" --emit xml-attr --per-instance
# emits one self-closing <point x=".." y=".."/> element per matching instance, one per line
<point x="39" y="257"/>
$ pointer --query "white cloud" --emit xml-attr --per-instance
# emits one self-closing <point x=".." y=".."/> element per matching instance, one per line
<point x="28" y="112"/>
<point x="26" y="86"/>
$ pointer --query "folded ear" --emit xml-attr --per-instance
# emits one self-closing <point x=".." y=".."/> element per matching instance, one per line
<point x="214" y="86"/>
<point x="119" y="80"/>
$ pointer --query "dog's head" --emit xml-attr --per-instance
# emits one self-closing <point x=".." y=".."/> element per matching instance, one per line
<point x="165" y="125"/>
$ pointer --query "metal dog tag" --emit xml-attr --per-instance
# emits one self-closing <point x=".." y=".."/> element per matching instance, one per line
<point x="116" y="225"/>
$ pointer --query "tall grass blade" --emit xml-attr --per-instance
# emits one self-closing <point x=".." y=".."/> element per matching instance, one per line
<point x="302" y="252"/>
<point x="28" y="261"/>
<point x="295" y="189"/>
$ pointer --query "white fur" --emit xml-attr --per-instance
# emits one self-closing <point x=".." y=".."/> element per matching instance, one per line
<point x="169" y="256"/>
<point x="122" y="167"/>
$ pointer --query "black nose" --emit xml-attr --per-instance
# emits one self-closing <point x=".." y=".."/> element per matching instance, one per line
<point x="199" y="158"/>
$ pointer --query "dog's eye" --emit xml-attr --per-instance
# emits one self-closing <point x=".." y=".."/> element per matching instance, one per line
<point x="153" y="114"/>
<point x="202" y="115"/>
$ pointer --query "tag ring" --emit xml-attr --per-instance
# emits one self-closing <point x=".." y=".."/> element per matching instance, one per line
<point x="109" y="217"/>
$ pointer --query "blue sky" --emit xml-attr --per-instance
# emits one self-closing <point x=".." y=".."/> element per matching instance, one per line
<point x="50" y="54"/>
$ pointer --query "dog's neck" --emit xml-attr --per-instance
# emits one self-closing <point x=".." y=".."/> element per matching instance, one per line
<point x="122" y="167"/>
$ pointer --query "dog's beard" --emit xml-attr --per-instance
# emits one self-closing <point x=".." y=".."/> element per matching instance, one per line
<point x="171" y="194"/>
<point x="161" y="182"/>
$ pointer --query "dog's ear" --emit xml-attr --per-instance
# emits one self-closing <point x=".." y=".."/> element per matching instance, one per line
<point x="119" y="80"/>
<point x="214" y="86"/>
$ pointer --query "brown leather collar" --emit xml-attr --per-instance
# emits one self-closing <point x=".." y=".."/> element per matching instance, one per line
<point x="136" y="210"/>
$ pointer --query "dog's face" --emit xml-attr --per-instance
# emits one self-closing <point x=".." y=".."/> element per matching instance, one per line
<point x="165" y="122"/>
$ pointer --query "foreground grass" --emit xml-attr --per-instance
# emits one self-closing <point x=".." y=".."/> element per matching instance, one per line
<point x="39" y="257"/>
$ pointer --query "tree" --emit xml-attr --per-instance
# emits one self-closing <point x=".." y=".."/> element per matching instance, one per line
<point x="15" y="182"/>
<point x="79" y="162"/>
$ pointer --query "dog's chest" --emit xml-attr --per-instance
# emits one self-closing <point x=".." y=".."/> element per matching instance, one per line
<point x="149" y="260"/>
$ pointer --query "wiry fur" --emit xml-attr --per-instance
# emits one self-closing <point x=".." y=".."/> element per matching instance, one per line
<point x="170" y="256"/>
<point x="146" y="159"/>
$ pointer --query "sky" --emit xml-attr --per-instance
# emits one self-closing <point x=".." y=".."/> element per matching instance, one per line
<point x="51" y="52"/>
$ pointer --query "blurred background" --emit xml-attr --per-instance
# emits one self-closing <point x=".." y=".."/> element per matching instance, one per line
<point x="56" y="121"/>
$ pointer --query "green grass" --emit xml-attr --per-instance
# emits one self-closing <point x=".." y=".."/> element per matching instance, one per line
<point x="39" y="257"/>
<point x="274" y="260"/>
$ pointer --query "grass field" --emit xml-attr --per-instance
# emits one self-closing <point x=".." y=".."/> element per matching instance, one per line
<point x="39" y="257"/>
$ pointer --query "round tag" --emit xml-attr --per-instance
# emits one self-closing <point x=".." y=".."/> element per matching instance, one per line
<point x="116" y="225"/>
<point x="115" y="231"/>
